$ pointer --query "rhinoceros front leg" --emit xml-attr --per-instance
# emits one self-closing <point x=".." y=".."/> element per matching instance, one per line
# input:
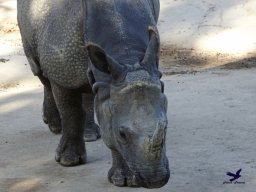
<point x="91" y="129"/>
<point x="71" y="150"/>
<point x="120" y="174"/>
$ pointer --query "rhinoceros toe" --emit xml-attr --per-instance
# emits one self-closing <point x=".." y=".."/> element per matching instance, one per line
<point x="68" y="154"/>
<point x="69" y="161"/>
<point x="53" y="124"/>
<point x="91" y="132"/>
<point x="122" y="177"/>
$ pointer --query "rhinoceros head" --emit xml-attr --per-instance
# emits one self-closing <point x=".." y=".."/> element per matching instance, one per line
<point x="131" y="110"/>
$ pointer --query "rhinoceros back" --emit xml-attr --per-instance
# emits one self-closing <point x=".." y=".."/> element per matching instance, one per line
<point x="120" y="27"/>
<point x="52" y="34"/>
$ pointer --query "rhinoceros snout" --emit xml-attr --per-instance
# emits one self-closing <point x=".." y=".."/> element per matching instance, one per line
<point x="153" y="181"/>
<point x="152" y="176"/>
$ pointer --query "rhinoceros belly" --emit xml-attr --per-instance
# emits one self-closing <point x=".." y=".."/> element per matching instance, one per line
<point x="60" y="38"/>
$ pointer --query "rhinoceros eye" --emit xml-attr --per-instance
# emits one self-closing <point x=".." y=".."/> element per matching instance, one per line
<point x="125" y="134"/>
<point x="162" y="86"/>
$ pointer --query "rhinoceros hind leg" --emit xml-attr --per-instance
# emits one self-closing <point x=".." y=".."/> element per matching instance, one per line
<point x="91" y="129"/>
<point x="50" y="112"/>
<point x="120" y="175"/>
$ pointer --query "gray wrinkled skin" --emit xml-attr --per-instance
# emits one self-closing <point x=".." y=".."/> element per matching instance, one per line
<point x="58" y="58"/>
<point x="111" y="48"/>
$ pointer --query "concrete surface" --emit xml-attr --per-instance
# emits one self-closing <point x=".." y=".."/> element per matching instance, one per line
<point x="209" y="25"/>
<point x="207" y="33"/>
<point x="211" y="131"/>
<point x="212" y="114"/>
<point x="203" y="32"/>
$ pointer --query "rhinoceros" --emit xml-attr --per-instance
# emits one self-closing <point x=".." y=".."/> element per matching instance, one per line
<point x="110" y="49"/>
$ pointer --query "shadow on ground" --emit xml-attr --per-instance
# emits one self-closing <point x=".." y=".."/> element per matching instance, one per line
<point x="183" y="62"/>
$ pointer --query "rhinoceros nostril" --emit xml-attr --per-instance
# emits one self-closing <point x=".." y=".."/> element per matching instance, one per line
<point x="122" y="135"/>
<point x="162" y="143"/>
<point x="125" y="134"/>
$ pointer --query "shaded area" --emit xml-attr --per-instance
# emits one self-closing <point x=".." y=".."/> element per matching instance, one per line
<point x="188" y="61"/>
<point x="243" y="63"/>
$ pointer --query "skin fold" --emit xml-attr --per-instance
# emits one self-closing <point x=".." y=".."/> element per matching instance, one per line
<point x="104" y="55"/>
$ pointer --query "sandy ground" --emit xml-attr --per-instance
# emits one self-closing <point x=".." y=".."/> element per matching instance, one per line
<point x="212" y="118"/>
<point x="211" y="131"/>
<point x="195" y="35"/>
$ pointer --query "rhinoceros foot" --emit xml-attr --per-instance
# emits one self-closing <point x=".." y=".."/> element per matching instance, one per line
<point x="70" y="153"/>
<point x="54" y="124"/>
<point x="51" y="114"/>
<point x="122" y="177"/>
<point x="91" y="132"/>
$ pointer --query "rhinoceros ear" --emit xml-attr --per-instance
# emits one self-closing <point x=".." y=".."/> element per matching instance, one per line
<point x="104" y="62"/>
<point x="151" y="58"/>
<point x="98" y="57"/>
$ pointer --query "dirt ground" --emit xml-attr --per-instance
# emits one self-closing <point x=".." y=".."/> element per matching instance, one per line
<point x="211" y="131"/>
<point x="212" y="125"/>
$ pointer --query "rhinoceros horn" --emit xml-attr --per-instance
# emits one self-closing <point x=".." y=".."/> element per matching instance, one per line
<point x="151" y="58"/>
<point x="105" y="63"/>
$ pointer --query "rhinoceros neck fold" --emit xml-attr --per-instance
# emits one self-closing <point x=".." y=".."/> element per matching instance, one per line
<point x="120" y="27"/>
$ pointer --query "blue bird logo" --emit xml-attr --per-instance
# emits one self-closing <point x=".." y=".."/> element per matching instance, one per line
<point x="234" y="176"/>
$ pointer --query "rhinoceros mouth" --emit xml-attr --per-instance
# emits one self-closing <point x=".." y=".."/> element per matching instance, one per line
<point x="150" y="181"/>
<point x="153" y="184"/>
